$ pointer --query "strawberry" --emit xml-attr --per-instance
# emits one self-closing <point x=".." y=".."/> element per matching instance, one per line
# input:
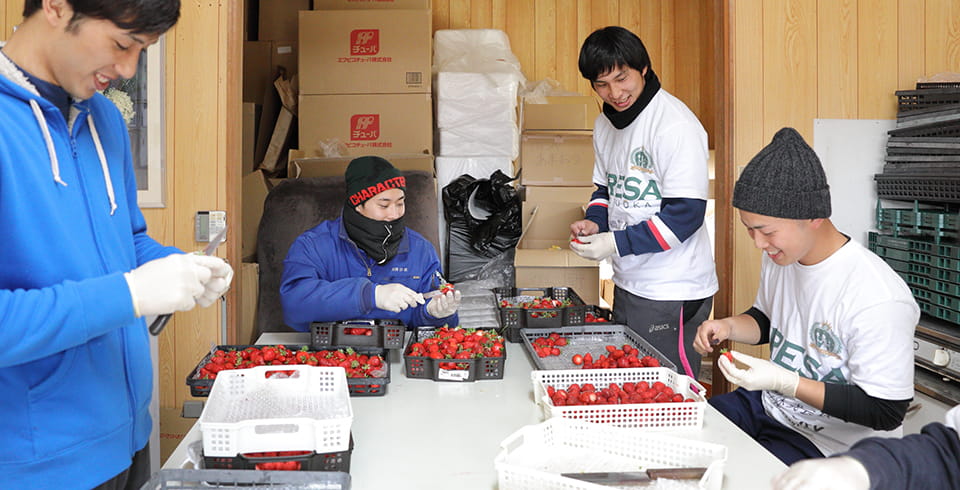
<point x="726" y="353"/>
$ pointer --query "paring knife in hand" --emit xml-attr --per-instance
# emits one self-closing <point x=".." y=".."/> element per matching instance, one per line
<point x="161" y="321"/>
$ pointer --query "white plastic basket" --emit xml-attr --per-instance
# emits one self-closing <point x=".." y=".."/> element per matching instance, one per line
<point x="536" y="455"/>
<point x="649" y="416"/>
<point x="309" y="410"/>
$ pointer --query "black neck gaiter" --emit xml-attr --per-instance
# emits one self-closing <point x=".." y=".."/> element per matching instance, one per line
<point x="379" y="239"/>
<point x="620" y="120"/>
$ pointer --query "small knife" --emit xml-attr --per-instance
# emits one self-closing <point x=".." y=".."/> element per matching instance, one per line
<point x="637" y="478"/>
<point x="161" y="321"/>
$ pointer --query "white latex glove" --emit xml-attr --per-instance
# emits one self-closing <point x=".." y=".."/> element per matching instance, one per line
<point x="165" y="285"/>
<point x="396" y="297"/>
<point x="221" y="274"/>
<point x="840" y="473"/>
<point x="444" y="305"/>
<point x="595" y="247"/>
<point x="761" y="375"/>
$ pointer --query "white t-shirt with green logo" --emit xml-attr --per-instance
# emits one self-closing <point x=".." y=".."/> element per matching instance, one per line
<point x="849" y="319"/>
<point x="661" y="154"/>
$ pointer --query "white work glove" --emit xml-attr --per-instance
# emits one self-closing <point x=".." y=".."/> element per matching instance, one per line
<point x="169" y="284"/>
<point x="595" y="247"/>
<point x="444" y="305"/>
<point x="396" y="297"/>
<point x="221" y="274"/>
<point x="840" y="473"/>
<point x="761" y="375"/>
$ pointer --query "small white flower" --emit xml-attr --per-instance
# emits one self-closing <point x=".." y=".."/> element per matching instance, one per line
<point x="123" y="102"/>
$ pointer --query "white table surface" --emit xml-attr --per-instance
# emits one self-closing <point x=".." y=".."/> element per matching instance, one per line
<point x="423" y="434"/>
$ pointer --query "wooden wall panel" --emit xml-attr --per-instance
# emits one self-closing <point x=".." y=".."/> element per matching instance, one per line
<point x="877" y="49"/>
<point x="837" y="53"/>
<point x="910" y="45"/>
<point x="942" y="36"/>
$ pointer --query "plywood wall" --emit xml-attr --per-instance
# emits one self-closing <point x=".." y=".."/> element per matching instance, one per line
<point x="545" y="35"/>
<point x="797" y="60"/>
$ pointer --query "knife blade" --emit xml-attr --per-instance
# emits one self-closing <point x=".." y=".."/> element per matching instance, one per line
<point x="637" y="478"/>
<point x="161" y="321"/>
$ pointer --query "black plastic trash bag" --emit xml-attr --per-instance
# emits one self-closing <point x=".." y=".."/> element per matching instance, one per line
<point x="483" y="227"/>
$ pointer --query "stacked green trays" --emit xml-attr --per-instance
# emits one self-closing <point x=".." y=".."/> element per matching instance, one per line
<point x="931" y="270"/>
<point x="513" y="318"/>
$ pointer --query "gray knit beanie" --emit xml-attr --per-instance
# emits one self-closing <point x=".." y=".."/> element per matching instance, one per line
<point x="784" y="180"/>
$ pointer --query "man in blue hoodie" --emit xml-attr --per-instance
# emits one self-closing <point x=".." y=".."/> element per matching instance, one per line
<point x="365" y="264"/>
<point x="78" y="272"/>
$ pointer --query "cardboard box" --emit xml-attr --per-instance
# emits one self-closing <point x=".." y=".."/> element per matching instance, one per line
<point x="249" y="136"/>
<point x="262" y="62"/>
<point x="302" y="167"/>
<point x="250" y="296"/>
<point x="377" y="124"/>
<point x="370" y="4"/>
<point x="173" y="427"/>
<point x="278" y="19"/>
<point x="557" y="159"/>
<point x="544" y="257"/>
<point x="365" y="52"/>
<point x="279" y="141"/>
<point x="255" y="188"/>
<point x="606" y="291"/>
<point x="541" y="194"/>
<point x="562" y="113"/>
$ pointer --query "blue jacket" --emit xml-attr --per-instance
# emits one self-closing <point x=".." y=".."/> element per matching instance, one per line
<point x="327" y="278"/>
<point x="75" y="370"/>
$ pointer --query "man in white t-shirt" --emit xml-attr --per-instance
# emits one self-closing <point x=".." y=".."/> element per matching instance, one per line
<point x="838" y="319"/>
<point x="647" y="214"/>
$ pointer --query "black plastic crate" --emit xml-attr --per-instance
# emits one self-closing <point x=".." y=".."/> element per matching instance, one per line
<point x="423" y="367"/>
<point x="312" y="461"/>
<point x="918" y="188"/>
<point x="386" y="334"/>
<point x="514" y="318"/>
<point x="190" y="479"/>
<point x="592" y="338"/>
<point x="927" y="95"/>
<point x="374" y="386"/>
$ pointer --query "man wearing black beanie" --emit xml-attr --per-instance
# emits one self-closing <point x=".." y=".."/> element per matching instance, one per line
<point x="365" y="264"/>
<point x="838" y="319"/>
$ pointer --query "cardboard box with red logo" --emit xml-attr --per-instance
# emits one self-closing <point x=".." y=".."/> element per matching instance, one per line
<point x="367" y="124"/>
<point x="365" y="52"/>
<point x="370" y="4"/>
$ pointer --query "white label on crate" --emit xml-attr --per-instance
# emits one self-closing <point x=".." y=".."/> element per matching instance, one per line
<point x="453" y="374"/>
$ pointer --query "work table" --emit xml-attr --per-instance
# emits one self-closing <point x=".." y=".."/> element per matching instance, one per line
<point x="427" y="434"/>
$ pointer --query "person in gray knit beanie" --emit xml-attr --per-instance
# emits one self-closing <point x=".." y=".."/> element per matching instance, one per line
<point x="838" y="319"/>
<point x="784" y="180"/>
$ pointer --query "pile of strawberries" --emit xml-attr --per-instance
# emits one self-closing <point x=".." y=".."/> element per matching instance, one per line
<point x="357" y="365"/>
<point x="549" y="345"/>
<point x="615" y="394"/>
<point x="543" y="303"/>
<point x="278" y="465"/>
<point x="458" y="343"/>
<point x="358" y="331"/>
<point x="626" y="356"/>
<point x="591" y="318"/>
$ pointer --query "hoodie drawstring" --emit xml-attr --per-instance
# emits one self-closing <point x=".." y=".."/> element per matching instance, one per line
<point x="55" y="164"/>
<point x="42" y="121"/>
<point x="103" y="164"/>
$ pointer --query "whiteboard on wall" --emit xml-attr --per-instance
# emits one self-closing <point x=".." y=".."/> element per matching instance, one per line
<point x="852" y="152"/>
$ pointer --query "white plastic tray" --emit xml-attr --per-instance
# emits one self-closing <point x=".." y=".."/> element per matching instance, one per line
<point x="649" y="416"/>
<point x="536" y="455"/>
<point x="248" y="412"/>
